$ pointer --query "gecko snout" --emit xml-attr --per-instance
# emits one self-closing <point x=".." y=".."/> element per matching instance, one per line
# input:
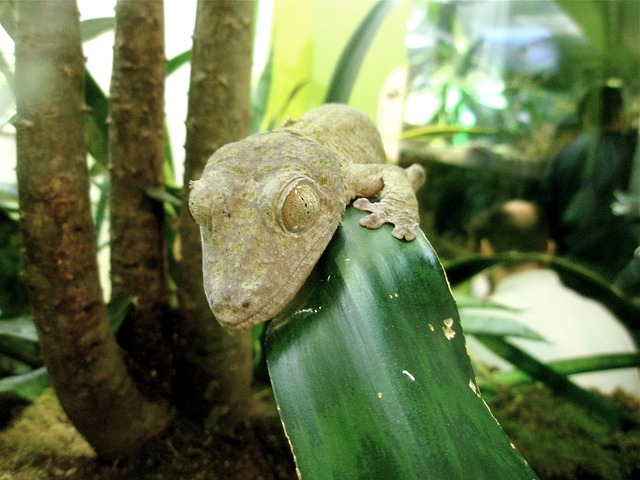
<point x="231" y="311"/>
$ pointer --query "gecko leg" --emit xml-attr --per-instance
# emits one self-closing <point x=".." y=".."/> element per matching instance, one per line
<point x="398" y="204"/>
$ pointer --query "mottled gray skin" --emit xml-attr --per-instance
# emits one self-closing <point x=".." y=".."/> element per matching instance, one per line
<point x="268" y="206"/>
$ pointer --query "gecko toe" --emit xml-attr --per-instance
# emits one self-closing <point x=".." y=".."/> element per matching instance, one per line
<point x="381" y="213"/>
<point x="372" y="221"/>
<point x="402" y="232"/>
<point x="364" y="204"/>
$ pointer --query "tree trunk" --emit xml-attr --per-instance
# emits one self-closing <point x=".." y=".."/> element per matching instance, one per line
<point x="136" y="146"/>
<point x="216" y="364"/>
<point x="61" y="271"/>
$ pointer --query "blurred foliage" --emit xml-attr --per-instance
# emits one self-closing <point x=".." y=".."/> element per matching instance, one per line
<point x="611" y="26"/>
<point x="520" y="89"/>
<point x="348" y="66"/>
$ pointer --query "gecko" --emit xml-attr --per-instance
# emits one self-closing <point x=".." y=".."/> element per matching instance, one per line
<point x="268" y="205"/>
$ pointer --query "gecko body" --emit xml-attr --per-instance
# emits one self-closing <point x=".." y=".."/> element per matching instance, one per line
<point x="268" y="206"/>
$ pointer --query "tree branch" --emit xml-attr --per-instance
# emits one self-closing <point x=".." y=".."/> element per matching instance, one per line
<point x="216" y="364"/>
<point x="61" y="271"/>
<point x="136" y="147"/>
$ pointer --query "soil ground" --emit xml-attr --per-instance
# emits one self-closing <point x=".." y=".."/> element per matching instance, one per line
<point x="559" y="439"/>
<point x="41" y="444"/>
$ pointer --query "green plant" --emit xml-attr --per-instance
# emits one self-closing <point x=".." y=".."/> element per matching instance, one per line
<point x="370" y="371"/>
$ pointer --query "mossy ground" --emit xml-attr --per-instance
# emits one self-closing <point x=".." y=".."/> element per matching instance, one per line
<point x="560" y="441"/>
<point x="40" y="443"/>
<point x="563" y="441"/>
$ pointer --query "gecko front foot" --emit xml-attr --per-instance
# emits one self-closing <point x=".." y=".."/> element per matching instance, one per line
<point x="382" y="212"/>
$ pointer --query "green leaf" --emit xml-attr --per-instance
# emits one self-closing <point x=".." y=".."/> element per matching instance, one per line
<point x="427" y="133"/>
<point x="610" y="31"/>
<point x="94" y="27"/>
<point x="102" y="204"/>
<point x="96" y="124"/>
<point x="178" y="61"/>
<point x="260" y="94"/>
<point x="9" y="197"/>
<point x="488" y="322"/>
<point x="169" y="167"/>
<point x="10" y="366"/>
<point x="163" y="195"/>
<point x="370" y="370"/>
<point x="277" y="117"/>
<point x="470" y="301"/>
<point x="482" y="316"/>
<point x="19" y="340"/>
<point x="25" y="387"/>
<point x="117" y="311"/>
<point x="558" y="383"/>
<point x="572" y="366"/>
<point x="19" y="327"/>
<point x="346" y="71"/>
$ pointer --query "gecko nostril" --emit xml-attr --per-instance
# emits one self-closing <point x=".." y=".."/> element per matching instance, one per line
<point x="246" y="304"/>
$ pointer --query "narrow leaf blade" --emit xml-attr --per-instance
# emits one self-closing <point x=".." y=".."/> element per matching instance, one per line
<point x="346" y="71"/>
<point x="558" y="383"/>
<point x="94" y="27"/>
<point x="25" y="387"/>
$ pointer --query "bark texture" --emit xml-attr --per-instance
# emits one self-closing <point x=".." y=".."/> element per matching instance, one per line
<point x="216" y="364"/>
<point x="82" y="356"/>
<point x="136" y="147"/>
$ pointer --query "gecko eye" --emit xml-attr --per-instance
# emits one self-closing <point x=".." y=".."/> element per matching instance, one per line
<point x="300" y="207"/>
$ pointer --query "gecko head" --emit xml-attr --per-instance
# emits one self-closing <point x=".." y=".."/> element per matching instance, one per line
<point x="267" y="207"/>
